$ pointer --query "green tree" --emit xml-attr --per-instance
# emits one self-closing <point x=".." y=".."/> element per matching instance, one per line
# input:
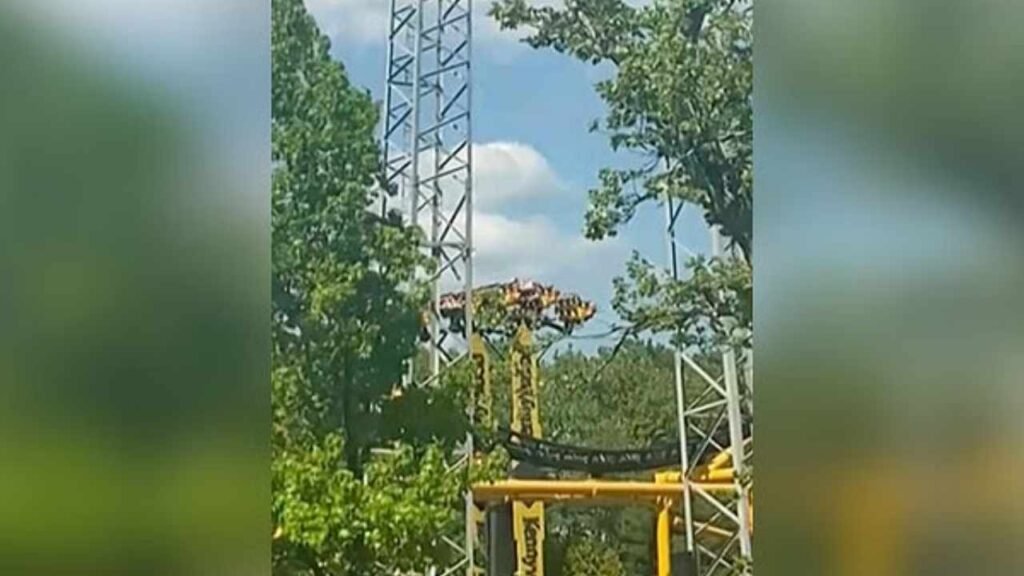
<point x="587" y="557"/>
<point x="329" y="521"/>
<point x="345" y="320"/>
<point x="621" y="398"/>
<point x="680" y="97"/>
<point x="611" y="399"/>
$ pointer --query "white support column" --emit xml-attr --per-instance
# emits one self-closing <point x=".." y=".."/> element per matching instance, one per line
<point x="427" y="140"/>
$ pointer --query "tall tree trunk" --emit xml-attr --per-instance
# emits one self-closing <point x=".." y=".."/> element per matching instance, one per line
<point x="350" y="410"/>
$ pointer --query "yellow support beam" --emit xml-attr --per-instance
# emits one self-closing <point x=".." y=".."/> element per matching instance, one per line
<point x="569" y="490"/>
<point x="702" y="475"/>
<point x="721" y="460"/>
<point x="664" y="538"/>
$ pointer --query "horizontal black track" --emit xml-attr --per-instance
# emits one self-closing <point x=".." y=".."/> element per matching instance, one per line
<point x="548" y="454"/>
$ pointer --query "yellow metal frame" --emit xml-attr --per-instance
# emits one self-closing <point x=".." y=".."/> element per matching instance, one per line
<point x="664" y="492"/>
<point x="528" y="497"/>
<point x="664" y="537"/>
<point x="528" y="519"/>
<point x="611" y="491"/>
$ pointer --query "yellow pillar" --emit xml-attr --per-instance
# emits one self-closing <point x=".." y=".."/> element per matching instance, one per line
<point x="665" y="538"/>
<point x="528" y="527"/>
<point x="481" y="391"/>
<point x="525" y="382"/>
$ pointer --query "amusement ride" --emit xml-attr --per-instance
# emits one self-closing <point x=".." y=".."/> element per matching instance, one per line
<point x="699" y="486"/>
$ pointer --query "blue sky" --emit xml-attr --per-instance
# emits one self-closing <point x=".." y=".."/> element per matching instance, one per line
<point x="531" y="114"/>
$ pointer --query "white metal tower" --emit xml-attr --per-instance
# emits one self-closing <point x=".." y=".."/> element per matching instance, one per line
<point x="712" y="417"/>
<point x="427" y="139"/>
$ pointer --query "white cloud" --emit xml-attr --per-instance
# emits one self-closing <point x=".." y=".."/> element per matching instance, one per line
<point x="352" y="21"/>
<point x="517" y="239"/>
<point x="534" y="247"/>
<point x="514" y="238"/>
<point x="506" y="172"/>
<point x="528" y="243"/>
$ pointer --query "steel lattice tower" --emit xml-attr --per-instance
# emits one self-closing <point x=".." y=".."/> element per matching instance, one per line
<point x="427" y="139"/>
<point x="710" y="411"/>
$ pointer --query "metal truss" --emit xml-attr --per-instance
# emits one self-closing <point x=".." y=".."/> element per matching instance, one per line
<point x="717" y="524"/>
<point x="427" y="140"/>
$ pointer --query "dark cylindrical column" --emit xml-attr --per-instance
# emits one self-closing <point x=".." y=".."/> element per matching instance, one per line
<point x="501" y="551"/>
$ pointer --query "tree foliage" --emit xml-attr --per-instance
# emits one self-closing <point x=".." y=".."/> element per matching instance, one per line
<point x="345" y="311"/>
<point x="621" y="398"/>
<point x="585" y="557"/>
<point x="713" y="306"/>
<point x="329" y="521"/>
<point x="679" y="97"/>
<point x="343" y="318"/>
<point x="611" y="400"/>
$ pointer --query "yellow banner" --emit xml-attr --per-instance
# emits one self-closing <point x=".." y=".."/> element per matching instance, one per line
<point x="483" y="402"/>
<point x="525" y="386"/>
<point x="529" y="534"/>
